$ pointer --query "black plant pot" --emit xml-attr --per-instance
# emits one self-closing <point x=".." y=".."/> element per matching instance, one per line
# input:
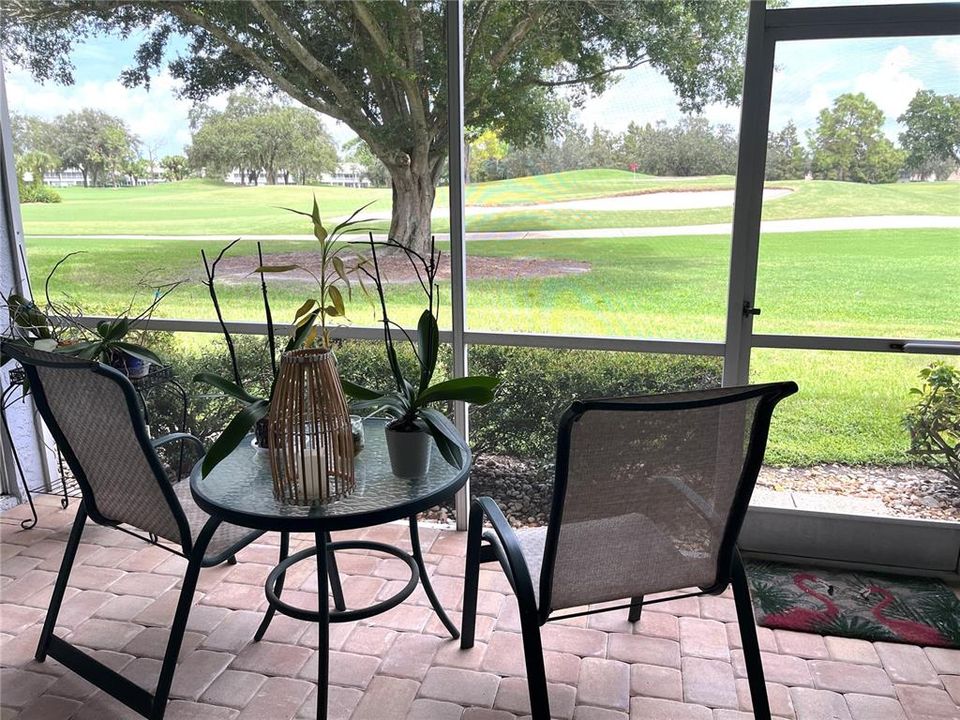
<point x="409" y="452"/>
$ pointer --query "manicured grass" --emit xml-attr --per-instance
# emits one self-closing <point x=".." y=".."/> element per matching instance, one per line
<point x="196" y="207"/>
<point x="582" y="184"/>
<point x="845" y="283"/>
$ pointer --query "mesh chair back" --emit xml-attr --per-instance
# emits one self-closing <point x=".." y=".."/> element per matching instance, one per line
<point x="651" y="491"/>
<point x="93" y="413"/>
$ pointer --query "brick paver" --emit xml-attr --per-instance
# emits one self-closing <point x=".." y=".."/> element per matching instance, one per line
<point x="682" y="660"/>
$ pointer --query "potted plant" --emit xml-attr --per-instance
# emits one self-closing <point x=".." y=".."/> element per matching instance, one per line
<point x="333" y="273"/>
<point x="57" y="327"/>
<point x="414" y="422"/>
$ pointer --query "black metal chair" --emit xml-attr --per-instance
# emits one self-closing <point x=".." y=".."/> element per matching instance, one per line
<point x="95" y="418"/>
<point x="649" y="497"/>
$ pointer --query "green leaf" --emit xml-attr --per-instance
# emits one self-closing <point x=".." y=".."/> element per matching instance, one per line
<point x="319" y="231"/>
<point x="392" y="403"/>
<point x="225" y="386"/>
<point x="477" y="389"/>
<point x="349" y="222"/>
<point x="446" y="435"/>
<point x="302" y="330"/>
<point x="305" y="308"/>
<point x="233" y="434"/>
<point x="139" y="352"/>
<point x="358" y="391"/>
<point x="428" y="341"/>
<point x="337" y="299"/>
<point x="340" y="269"/>
<point x="276" y="268"/>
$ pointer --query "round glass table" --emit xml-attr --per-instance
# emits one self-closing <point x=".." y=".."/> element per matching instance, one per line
<point x="239" y="490"/>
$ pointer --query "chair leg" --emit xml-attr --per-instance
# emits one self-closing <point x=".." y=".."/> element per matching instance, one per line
<point x="333" y="572"/>
<point x="748" y="636"/>
<point x="232" y="560"/>
<point x="179" y="626"/>
<point x="471" y="583"/>
<point x="268" y="615"/>
<point x="635" y="609"/>
<point x="323" y="627"/>
<point x="69" y="554"/>
<point x="533" y="657"/>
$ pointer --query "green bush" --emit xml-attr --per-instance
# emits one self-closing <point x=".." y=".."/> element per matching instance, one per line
<point x="934" y="421"/>
<point x="537" y="385"/>
<point x="34" y="193"/>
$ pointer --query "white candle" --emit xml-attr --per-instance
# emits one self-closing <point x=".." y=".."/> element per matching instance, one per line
<point x="313" y="474"/>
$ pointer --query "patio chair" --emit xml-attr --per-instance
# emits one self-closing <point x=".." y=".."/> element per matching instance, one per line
<point x="94" y="416"/>
<point x="649" y="498"/>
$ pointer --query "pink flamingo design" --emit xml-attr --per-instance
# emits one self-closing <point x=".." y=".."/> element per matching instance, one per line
<point x="907" y="630"/>
<point x="804" y="618"/>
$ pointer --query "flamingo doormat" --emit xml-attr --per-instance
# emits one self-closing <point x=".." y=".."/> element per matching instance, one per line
<point x="868" y="606"/>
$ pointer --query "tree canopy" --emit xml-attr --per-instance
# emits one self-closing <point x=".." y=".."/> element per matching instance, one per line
<point x="253" y="134"/>
<point x="932" y="134"/>
<point x="848" y="143"/>
<point x="98" y="144"/>
<point x="380" y="67"/>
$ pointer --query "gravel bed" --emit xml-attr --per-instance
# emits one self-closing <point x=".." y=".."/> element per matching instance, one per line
<point x="905" y="491"/>
<point x="523" y="490"/>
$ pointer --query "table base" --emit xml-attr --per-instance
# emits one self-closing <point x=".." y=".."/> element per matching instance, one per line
<point x="324" y="552"/>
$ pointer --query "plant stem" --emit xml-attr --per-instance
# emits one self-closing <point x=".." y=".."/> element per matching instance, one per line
<point x="211" y="271"/>
<point x="271" y="338"/>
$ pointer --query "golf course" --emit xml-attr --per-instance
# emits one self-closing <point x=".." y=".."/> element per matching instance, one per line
<point x="595" y="252"/>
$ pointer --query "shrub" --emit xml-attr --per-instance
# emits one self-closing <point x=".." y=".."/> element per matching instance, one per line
<point x="34" y="193"/>
<point x="934" y="421"/>
<point x="537" y="385"/>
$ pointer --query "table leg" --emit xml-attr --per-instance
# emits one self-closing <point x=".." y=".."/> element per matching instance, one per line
<point x="268" y="616"/>
<point x="323" y="635"/>
<point x="425" y="580"/>
<point x="334" y="572"/>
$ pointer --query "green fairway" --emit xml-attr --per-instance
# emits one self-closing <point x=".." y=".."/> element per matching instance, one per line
<point x="892" y="282"/>
<point x="197" y="207"/>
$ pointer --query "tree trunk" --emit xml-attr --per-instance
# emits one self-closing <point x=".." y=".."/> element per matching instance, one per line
<point x="83" y="171"/>
<point x="413" y="196"/>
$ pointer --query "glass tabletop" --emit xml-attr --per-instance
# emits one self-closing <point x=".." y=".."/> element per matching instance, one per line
<point x="240" y="489"/>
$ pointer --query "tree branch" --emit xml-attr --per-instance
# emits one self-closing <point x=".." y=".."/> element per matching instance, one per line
<point x="303" y="55"/>
<point x="389" y="53"/>
<point x="237" y="48"/>
<point x="592" y="76"/>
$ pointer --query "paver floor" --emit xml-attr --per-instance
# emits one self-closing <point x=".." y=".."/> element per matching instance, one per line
<point x="682" y="660"/>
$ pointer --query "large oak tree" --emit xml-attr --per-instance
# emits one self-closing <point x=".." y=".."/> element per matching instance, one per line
<point x="379" y="67"/>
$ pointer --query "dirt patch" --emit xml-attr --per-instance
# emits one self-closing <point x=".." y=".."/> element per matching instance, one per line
<point x="397" y="269"/>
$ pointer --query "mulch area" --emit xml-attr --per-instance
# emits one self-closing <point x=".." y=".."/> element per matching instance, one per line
<point x="397" y="269"/>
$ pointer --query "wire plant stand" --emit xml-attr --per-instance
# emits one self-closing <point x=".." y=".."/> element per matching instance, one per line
<point x="69" y="488"/>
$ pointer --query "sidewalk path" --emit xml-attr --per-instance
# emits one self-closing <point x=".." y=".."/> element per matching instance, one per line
<point x="869" y="222"/>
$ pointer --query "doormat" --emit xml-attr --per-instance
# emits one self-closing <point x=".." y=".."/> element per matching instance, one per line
<point x="866" y="606"/>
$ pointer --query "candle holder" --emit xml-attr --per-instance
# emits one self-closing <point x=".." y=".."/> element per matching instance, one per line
<point x="311" y="438"/>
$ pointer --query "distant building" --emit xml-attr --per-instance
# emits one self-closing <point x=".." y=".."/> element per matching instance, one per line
<point x="347" y="175"/>
<point x="72" y="177"/>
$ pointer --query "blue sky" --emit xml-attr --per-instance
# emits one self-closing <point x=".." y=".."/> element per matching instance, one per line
<point x="808" y="76"/>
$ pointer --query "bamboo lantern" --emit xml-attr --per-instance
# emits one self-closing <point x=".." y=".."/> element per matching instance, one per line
<point x="311" y="439"/>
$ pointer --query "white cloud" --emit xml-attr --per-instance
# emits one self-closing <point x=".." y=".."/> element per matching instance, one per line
<point x="890" y="86"/>
<point x="948" y="50"/>
<point x="157" y="116"/>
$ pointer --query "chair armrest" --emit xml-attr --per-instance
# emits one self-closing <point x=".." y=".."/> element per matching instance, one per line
<point x="508" y="553"/>
<point x="175" y="436"/>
